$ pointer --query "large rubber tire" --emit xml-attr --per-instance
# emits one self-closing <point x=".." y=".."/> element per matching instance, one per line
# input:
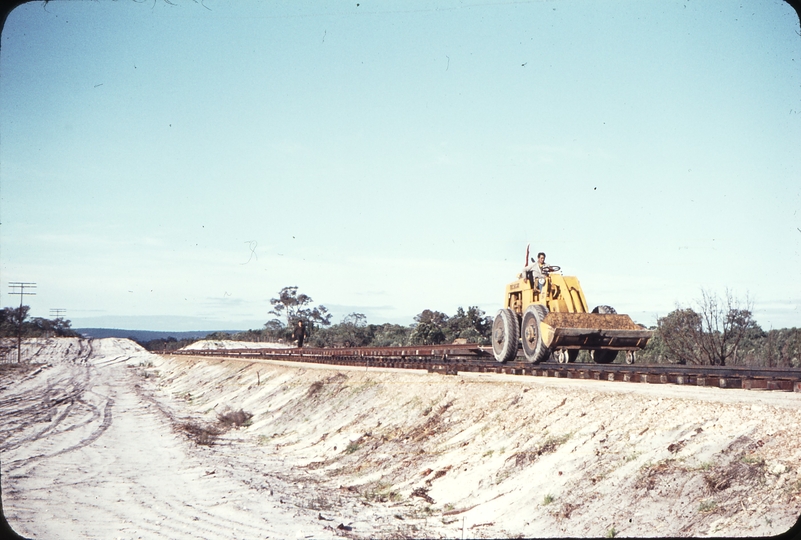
<point x="531" y="336"/>
<point x="604" y="357"/>
<point x="604" y="310"/>
<point x="505" y="335"/>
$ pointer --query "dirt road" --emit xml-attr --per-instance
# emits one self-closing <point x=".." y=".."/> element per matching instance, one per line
<point x="108" y="441"/>
<point x="87" y="454"/>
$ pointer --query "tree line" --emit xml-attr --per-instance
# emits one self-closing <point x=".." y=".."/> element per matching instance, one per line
<point x="429" y="327"/>
<point x="14" y="322"/>
<point x="720" y="331"/>
<point x="714" y="331"/>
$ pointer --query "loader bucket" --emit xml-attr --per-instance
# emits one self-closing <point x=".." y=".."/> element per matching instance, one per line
<point x="593" y="331"/>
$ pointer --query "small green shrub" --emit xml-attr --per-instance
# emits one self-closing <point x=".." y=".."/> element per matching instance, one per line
<point x="633" y="456"/>
<point x="263" y="439"/>
<point x="352" y="447"/>
<point x="707" y="506"/>
<point x="752" y="459"/>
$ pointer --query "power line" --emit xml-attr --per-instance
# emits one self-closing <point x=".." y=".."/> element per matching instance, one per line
<point x="58" y="314"/>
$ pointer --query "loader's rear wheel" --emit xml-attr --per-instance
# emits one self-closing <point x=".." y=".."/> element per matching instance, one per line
<point x="604" y="357"/>
<point x="505" y="335"/>
<point x="530" y="335"/>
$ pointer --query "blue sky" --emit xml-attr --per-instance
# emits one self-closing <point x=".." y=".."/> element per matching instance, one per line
<point x="172" y="166"/>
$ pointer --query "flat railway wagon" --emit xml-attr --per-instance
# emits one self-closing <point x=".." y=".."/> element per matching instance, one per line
<point x="473" y="358"/>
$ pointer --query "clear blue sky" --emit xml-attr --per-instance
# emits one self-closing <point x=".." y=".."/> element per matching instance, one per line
<point x="172" y="166"/>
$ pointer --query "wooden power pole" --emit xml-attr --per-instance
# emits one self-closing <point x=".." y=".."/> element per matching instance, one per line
<point x="18" y="287"/>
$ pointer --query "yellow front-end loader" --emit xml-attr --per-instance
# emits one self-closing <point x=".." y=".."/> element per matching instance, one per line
<point x="547" y="314"/>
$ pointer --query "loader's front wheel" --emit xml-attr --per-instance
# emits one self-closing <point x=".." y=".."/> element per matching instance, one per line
<point x="531" y="336"/>
<point x="505" y="335"/>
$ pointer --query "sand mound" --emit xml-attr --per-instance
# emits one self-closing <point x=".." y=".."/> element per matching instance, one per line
<point x="206" y="345"/>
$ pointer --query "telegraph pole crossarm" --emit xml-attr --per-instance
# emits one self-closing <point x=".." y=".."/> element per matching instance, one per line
<point x="58" y="313"/>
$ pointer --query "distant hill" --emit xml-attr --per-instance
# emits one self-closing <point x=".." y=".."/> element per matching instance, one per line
<point x="145" y="335"/>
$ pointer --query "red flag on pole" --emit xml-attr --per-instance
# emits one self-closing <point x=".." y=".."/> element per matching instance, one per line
<point x="528" y="246"/>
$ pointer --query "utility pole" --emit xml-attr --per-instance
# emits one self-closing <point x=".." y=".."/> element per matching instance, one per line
<point x="18" y="287"/>
<point x="59" y="315"/>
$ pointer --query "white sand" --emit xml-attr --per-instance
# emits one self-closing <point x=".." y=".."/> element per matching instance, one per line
<point x="207" y="344"/>
<point x="90" y="449"/>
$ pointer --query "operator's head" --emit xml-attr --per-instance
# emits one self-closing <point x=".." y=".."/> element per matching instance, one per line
<point x="540" y="257"/>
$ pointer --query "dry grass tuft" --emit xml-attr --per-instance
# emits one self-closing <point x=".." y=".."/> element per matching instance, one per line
<point x="749" y="468"/>
<point x="565" y="510"/>
<point x="314" y="388"/>
<point x="230" y="419"/>
<point x="651" y="474"/>
<point x="334" y="381"/>
<point x="423" y="494"/>
<point x="205" y="435"/>
<point x="549" y="445"/>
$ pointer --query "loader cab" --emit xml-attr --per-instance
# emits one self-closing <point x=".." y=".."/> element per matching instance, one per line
<point x="558" y="293"/>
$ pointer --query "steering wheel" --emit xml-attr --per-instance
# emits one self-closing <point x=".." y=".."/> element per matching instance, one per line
<point x="549" y="269"/>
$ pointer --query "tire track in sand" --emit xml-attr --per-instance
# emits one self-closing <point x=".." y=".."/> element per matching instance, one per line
<point x="123" y="472"/>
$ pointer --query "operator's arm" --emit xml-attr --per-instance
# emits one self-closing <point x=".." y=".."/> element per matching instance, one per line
<point x="534" y="268"/>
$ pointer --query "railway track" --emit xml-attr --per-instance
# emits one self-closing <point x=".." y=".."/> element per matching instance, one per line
<point x="452" y="359"/>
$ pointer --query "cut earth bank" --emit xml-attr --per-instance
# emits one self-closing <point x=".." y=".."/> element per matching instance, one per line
<point x="366" y="453"/>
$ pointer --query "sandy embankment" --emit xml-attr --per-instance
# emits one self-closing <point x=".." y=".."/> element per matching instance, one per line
<point x="358" y="453"/>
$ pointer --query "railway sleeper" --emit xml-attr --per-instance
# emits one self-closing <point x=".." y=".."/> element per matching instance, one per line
<point x="465" y="360"/>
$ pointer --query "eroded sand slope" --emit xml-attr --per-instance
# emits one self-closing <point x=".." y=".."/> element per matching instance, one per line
<point x="107" y="446"/>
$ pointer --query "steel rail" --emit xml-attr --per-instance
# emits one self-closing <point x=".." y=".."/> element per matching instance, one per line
<point x="452" y="359"/>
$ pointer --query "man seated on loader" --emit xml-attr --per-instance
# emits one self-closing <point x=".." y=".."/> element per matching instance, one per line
<point x="536" y="271"/>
